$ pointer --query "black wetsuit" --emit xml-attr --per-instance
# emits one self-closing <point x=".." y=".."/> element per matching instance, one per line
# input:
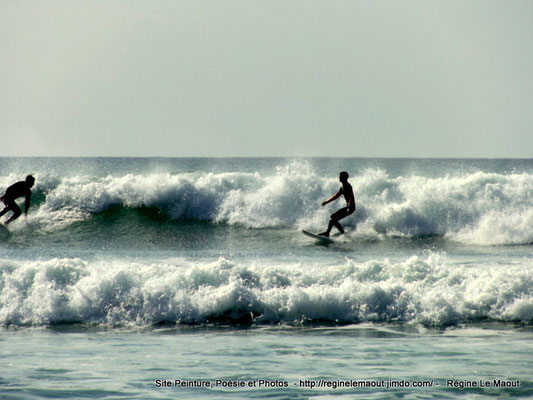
<point x="19" y="189"/>
<point x="347" y="191"/>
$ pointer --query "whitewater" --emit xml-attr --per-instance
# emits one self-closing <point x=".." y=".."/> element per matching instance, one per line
<point x="205" y="256"/>
<point x="430" y="291"/>
<point x="485" y="208"/>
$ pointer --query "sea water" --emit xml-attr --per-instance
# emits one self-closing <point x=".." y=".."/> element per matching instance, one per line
<point x="190" y="278"/>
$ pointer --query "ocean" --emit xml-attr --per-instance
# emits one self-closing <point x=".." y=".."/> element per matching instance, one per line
<point x="163" y="278"/>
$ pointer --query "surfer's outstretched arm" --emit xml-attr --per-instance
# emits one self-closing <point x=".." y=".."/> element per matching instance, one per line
<point x="334" y="197"/>
<point x="27" y="202"/>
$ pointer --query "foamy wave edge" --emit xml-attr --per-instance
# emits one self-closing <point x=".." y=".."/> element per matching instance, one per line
<point x="477" y="208"/>
<point x="119" y="293"/>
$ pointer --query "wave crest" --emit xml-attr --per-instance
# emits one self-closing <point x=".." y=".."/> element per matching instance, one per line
<point x="480" y="208"/>
<point x="417" y="290"/>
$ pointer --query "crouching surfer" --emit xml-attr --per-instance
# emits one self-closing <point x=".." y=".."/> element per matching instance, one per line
<point x="13" y="192"/>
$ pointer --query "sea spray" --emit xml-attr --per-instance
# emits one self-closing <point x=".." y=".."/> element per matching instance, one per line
<point x="474" y="208"/>
<point x="429" y="291"/>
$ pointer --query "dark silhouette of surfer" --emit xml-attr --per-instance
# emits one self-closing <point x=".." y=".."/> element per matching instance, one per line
<point x="19" y="189"/>
<point x="347" y="191"/>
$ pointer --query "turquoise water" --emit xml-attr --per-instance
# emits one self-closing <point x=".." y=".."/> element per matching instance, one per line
<point x="130" y="274"/>
<point x="80" y="362"/>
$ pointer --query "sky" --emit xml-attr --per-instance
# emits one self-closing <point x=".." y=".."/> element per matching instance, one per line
<point x="292" y="78"/>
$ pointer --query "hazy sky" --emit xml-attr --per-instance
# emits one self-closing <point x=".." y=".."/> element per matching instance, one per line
<point x="359" y="78"/>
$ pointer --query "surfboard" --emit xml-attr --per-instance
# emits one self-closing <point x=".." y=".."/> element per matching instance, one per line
<point x="323" y="239"/>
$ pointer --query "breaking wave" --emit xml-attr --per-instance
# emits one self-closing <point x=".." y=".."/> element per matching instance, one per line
<point x="476" y="207"/>
<point x="419" y="290"/>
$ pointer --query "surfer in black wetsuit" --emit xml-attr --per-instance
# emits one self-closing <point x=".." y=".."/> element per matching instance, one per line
<point x="347" y="191"/>
<point x="19" y="189"/>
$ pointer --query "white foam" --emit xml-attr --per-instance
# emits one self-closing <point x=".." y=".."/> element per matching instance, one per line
<point x="427" y="290"/>
<point x="479" y="208"/>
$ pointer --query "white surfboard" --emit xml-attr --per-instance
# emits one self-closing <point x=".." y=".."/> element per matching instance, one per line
<point x="318" y="237"/>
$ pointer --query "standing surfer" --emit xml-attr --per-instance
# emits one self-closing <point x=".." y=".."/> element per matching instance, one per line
<point x="16" y="190"/>
<point x="347" y="191"/>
